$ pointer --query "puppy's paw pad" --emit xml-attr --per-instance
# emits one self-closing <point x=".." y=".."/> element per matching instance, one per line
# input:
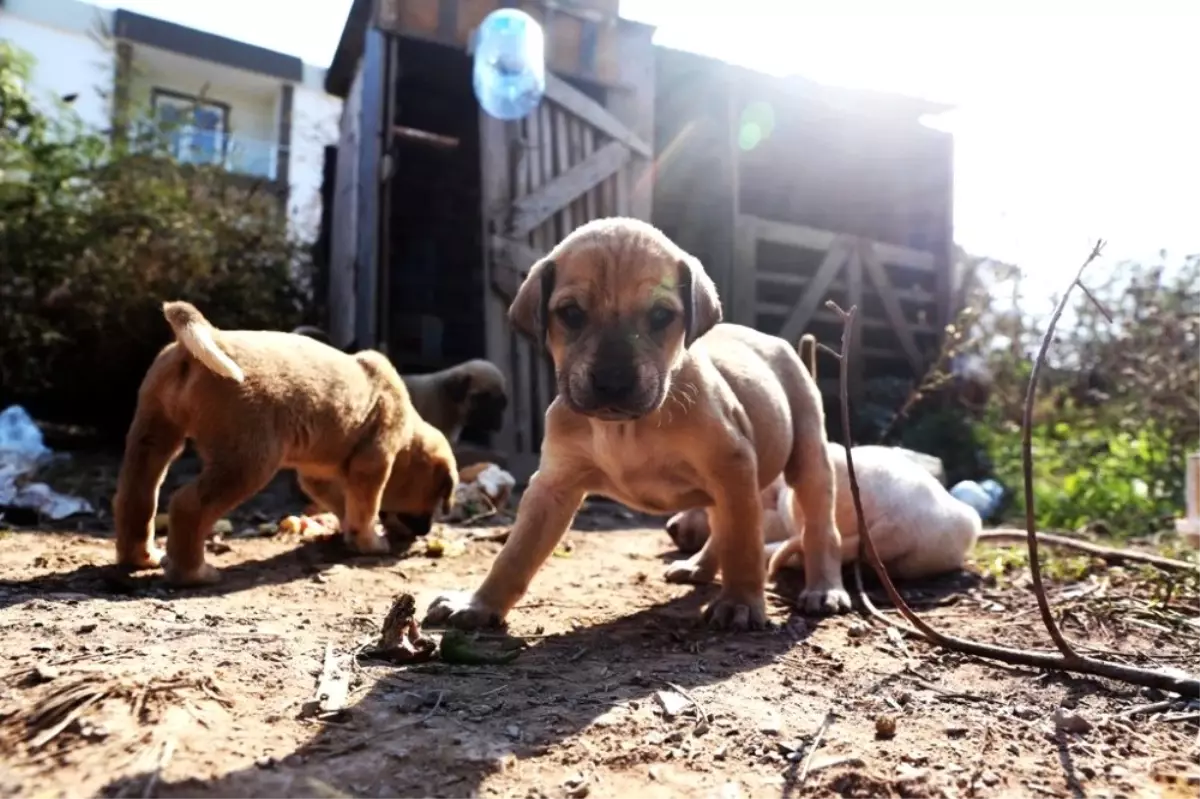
<point x="684" y="571"/>
<point x="821" y="601"/>
<point x="461" y="610"/>
<point x="729" y="613"/>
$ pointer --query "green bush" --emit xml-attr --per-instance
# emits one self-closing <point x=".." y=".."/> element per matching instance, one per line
<point x="94" y="235"/>
<point x="1117" y="410"/>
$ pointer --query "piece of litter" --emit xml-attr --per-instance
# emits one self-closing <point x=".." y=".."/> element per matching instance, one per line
<point x="577" y="787"/>
<point x="400" y="638"/>
<point x="672" y="703"/>
<point x="333" y="687"/>
<point x="885" y="726"/>
<point x="438" y="547"/>
<point x="483" y="489"/>
<point x="1070" y="722"/>
<point x="22" y="453"/>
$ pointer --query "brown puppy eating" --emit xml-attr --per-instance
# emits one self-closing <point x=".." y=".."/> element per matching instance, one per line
<point x="253" y="402"/>
<point x="424" y="477"/>
<point x="663" y="409"/>
<point x="471" y="394"/>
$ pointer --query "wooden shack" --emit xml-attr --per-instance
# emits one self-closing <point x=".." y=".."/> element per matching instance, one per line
<point x="792" y="193"/>
<point x="438" y="209"/>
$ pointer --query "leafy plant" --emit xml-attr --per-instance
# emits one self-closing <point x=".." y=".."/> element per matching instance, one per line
<point x="96" y="231"/>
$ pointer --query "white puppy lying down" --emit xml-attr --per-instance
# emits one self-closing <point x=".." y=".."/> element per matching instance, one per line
<point x="917" y="527"/>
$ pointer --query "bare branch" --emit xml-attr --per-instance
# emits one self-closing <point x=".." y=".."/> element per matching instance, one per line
<point x="1175" y="681"/>
<point x="1107" y="314"/>
<point x="1035" y="568"/>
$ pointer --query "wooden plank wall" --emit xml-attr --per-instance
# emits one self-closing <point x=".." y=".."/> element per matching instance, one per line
<point x="343" y="237"/>
<point x="370" y="146"/>
<point x="551" y="142"/>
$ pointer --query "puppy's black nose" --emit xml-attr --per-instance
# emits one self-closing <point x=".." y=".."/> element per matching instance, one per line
<point x="613" y="384"/>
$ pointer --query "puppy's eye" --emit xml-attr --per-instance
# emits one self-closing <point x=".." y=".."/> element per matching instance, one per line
<point x="660" y="318"/>
<point x="572" y="316"/>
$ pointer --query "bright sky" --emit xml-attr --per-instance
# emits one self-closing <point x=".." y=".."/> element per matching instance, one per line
<point x="1068" y="127"/>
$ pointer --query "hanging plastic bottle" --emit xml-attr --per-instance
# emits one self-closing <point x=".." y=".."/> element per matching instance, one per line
<point x="509" y="73"/>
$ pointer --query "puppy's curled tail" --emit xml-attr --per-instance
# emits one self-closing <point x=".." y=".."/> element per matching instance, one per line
<point x="195" y="335"/>
<point x="808" y="353"/>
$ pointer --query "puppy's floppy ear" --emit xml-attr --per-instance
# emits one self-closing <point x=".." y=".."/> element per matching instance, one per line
<point x="529" y="312"/>
<point x="701" y="305"/>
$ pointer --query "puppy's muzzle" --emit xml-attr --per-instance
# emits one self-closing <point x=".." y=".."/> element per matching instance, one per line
<point x="613" y="386"/>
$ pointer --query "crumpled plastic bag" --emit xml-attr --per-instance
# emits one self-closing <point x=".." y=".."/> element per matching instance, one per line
<point x="483" y="489"/>
<point x="22" y="452"/>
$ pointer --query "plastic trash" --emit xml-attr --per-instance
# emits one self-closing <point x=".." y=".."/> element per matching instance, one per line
<point x="509" y="73"/>
<point x="984" y="496"/>
<point x="22" y="450"/>
<point x="20" y="438"/>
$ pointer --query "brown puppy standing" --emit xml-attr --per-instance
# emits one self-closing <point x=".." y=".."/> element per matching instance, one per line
<point x="254" y="402"/>
<point x="663" y="409"/>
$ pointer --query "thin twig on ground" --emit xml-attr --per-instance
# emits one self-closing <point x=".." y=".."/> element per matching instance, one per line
<point x="1174" y="680"/>
<point x="1035" y="566"/>
<point x="704" y="717"/>
<point x="1013" y="535"/>
<point x="812" y="749"/>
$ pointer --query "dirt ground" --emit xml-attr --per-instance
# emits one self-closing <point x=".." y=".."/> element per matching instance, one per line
<point x="118" y="686"/>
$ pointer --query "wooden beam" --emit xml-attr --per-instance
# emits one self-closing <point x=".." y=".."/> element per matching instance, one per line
<point x="495" y="169"/>
<point x="543" y="202"/>
<point x="511" y="261"/>
<point x="800" y="316"/>
<point x="854" y="292"/>
<point x="743" y="308"/>
<point x="570" y="99"/>
<point x="816" y="239"/>
<point x="891" y="305"/>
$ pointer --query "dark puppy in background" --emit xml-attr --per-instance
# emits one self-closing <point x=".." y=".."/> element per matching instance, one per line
<point x="471" y="395"/>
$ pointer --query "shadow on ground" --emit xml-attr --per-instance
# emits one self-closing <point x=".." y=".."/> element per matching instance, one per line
<point x="441" y="730"/>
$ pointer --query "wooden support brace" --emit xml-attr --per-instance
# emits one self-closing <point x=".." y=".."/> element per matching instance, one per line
<point x="891" y="305"/>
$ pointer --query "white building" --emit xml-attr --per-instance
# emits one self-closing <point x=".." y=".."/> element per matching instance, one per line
<point x="263" y="115"/>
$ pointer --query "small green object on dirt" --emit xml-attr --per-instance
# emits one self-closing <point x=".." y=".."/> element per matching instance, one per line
<point x="460" y="648"/>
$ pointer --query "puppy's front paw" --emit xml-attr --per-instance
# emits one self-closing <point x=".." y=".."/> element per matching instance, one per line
<point x="204" y="574"/>
<point x="461" y="610"/>
<point x="737" y="612"/>
<point x="821" y="600"/>
<point x="688" y="571"/>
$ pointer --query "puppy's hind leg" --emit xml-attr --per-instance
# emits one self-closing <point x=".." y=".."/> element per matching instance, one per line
<point x="809" y="472"/>
<point x="227" y="480"/>
<point x="152" y="443"/>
